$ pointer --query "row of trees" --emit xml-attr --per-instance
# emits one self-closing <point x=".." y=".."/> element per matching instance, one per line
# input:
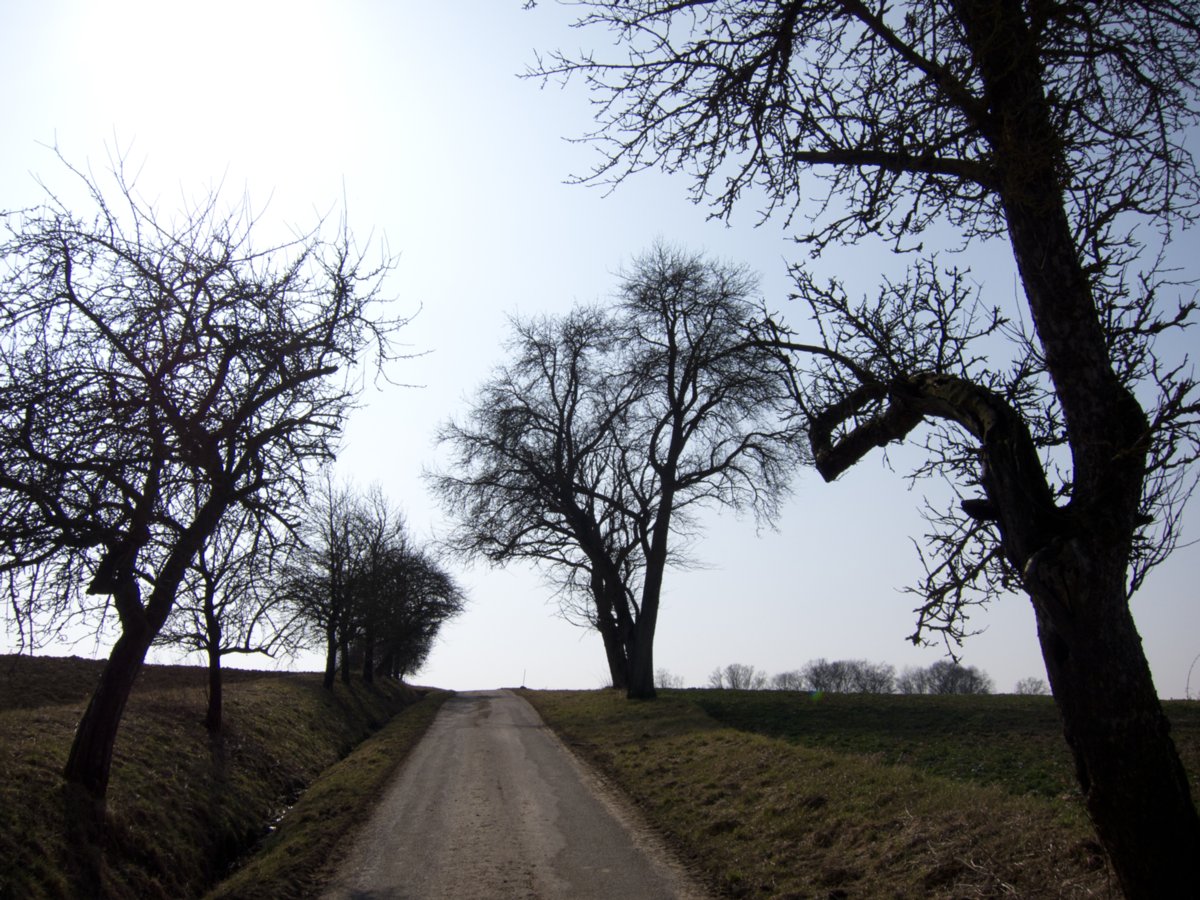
<point x="171" y="393"/>
<point x="347" y="578"/>
<point x="1058" y="128"/>
<point x="367" y="592"/>
<point x="855" y="676"/>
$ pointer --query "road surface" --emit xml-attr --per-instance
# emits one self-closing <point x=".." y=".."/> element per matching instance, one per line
<point x="491" y="805"/>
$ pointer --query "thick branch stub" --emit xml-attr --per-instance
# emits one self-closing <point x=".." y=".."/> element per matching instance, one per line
<point x="980" y="509"/>
<point x="1018" y="497"/>
<point x="893" y="423"/>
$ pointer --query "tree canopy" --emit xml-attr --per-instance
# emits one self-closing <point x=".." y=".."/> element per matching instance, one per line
<point x="590" y="449"/>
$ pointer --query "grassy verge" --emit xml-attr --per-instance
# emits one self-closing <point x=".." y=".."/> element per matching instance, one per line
<point x="773" y="795"/>
<point x="182" y="808"/>
<point x="1010" y="741"/>
<point x="300" y="854"/>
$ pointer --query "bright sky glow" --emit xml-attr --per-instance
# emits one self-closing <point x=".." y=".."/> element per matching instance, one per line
<point x="411" y="112"/>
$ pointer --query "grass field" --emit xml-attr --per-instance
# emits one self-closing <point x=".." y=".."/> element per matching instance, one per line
<point x="182" y="808"/>
<point x="775" y="794"/>
<point x="764" y="794"/>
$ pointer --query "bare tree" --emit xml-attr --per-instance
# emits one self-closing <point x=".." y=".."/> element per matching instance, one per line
<point x="322" y="563"/>
<point x="913" y="680"/>
<point x="157" y="375"/>
<point x="407" y="598"/>
<point x="1031" y="687"/>
<point x="788" y="681"/>
<point x="1060" y="128"/>
<point x="535" y="471"/>
<point x="944" y="677"/>
<point x="949" y="677"/>
<point x="665" y="679"/>
<point x="847" y="676"/>
<point x="742" y="677"/>
<point x="592" y="448"/>
<point x="367" y="594"/>
<point x="707" y="428"/>
<point x="827" y="677"/>
<point x="228" y="603"/>
<point x="738" y="677"/>
<point x="380" y="543"/>
<point x="872" y="678"/>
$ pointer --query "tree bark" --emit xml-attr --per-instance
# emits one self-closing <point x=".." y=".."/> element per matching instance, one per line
<point x="641" y="644"/>
<point x="1075" y="571"/>
<point x="212" y="716"/>
<point x="608" y="625"/>
<point x="330" y="658"/>
<point x="368" y="667"/>
<point x="1135" y="787"/>
<point x="212" y="627"/>
<point x="344" y="654"/>
<point x="90" y="760"/>
<point x="641" y="661"/>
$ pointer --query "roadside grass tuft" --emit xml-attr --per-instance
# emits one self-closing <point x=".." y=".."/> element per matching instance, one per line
<point x="181" y="807"/>
<point x="771" y="795"/>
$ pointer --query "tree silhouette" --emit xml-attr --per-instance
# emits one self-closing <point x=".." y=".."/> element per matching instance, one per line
<point x="592" y="448"/>
<point x="228" y="603"/>
<point x="1059" y="128"/>
<point x="158" y="374"/>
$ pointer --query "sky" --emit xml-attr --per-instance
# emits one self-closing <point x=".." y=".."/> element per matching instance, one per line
<point x="411" y="116"/>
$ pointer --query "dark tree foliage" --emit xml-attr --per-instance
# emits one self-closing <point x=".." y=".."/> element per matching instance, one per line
<point x="158" y="374"/>
<point x="1060" y="128"/>
<point x="592" y="447"/>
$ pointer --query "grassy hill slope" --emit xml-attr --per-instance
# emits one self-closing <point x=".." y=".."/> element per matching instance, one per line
<point x="774" y="794"/>
<point x="182" y="808"/>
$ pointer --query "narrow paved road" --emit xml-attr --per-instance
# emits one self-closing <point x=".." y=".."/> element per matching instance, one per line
<point x="491" y="805"/>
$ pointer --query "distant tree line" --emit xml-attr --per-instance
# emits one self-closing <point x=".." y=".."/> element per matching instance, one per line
<point x="362" y="589"/>
<point x="857" y="676"/>
<point x="347" y="579"/>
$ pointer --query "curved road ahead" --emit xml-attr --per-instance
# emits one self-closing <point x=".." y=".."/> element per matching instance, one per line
<point x="491" y="805"/>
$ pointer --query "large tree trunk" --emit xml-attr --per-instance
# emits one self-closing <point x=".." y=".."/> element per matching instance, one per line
<point x="90" y="761"/>
<point x="368" y="666"/>
<point x="641" y="643"/>
<point x="1074" y="564"/>
<point x="610" y="630"/>
<point x="344" y="656"/>
<point x="1136" y="789"/>
<point x="614" y="652"/>
<point x="641" y="662"/>
<point x="212" y="625"/>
